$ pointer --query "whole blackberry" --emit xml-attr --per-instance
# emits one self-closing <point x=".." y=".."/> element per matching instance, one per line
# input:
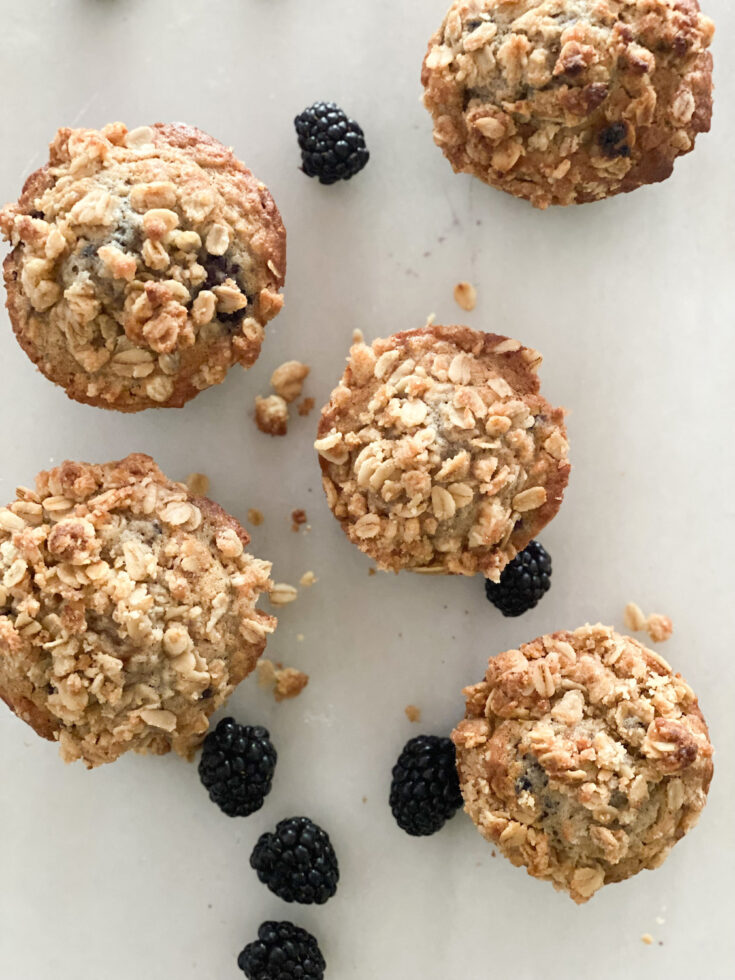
<point x="424" y="792"/>
<point x="523" y="581"/>
<point x="297" y="862"/>
<point x="332" y="146"/>
<point x="282" y="951"/>
<point x="237" y="766"/>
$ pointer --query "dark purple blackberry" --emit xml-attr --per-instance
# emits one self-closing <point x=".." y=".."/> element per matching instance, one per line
<point x="424" y="792"/>
<point x="282" y="951"/>
<point x="332" y="146"/>
<point x="297" y="862"/>
<point x="237" y="766"/>
<point x="523" y="581"/>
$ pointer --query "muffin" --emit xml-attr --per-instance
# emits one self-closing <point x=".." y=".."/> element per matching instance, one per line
<point x="438" y="454"/>
<point x="583" y="757"/>
<point x="127" y="609"/>
<point x="144" y="264"/>
<point x="569" y="101"/>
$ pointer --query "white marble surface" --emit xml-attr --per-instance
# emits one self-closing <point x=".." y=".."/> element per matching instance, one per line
<point x="129" y="870"/>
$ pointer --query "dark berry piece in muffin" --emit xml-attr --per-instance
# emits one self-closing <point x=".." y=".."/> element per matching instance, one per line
<point x="237" y="766"/>
<point x="297" y="862"/>
<point x="523" y="581"/>
<point x="282" y="951"/>
<point x="424" y="792"/>
<point x="332" y="146"/>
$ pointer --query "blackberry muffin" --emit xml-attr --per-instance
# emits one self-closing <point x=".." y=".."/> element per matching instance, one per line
<point x="568" y="101"/>
<point x="127" y="609"/>
<point x="438" y="454"/>
<point x="145" y="263"/>
<point x="583" y="757"/>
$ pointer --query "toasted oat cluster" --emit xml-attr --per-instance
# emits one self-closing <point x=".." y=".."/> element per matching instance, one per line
<point x="127" y="609"/>
<point x="145" y="264"/>
<point x="584" y="757"/>
<point x="568" y="101"/>
<point x="438" y="454"/>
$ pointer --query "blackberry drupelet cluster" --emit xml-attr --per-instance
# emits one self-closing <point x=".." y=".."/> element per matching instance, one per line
<point x="523" y="581"/>
<point x="332" y="146"/>
<point x="282" y="951"/>
<point x="297" y="862"/>
<point x="237" y="766"/>
<point x="425" y="792"/>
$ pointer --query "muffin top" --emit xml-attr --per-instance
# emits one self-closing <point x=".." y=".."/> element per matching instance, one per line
<point x="584" y="757"/>
<point x="437" y="452"/>
<point x="567" y="101"/>
<point x="145" y="264"/>
<point x="127" y="609"/>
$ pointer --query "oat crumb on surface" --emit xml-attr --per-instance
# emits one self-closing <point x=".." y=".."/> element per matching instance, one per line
<point x="371" y="571"/>
<point x="412" y="712"/>
<point x="308" y="579"/>
<point x="299" y="637"/>
<point x="658" y="626"/>
<point x="288" y="379"/>
<point x="255" y="517"/>
<point x="271" y="415"/>
<point x="285" y="682"/>
<point x="306" y="406"/>
<point x="660" y="920"/>
<point x="282" y="593"/>
<point x="465" y="295"/>
<point x="647" y="938"/>
<point x="198" y="484"/>
<point x="298" y="517"/>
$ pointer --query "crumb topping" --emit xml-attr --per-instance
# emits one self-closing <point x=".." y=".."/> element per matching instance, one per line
<point x="565" y="101"/>
<point x="145" y="264"/>
<point x="584" y="757"/>
<point x="437" y="452"/>
<point x="271" y="415"/>
<point x="127" y="609"/>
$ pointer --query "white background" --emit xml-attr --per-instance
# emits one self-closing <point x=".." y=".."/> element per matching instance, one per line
<point x="130" y="871"/>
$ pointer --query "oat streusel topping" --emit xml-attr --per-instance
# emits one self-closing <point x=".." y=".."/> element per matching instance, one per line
<point x="583" y="757"/>
<point x="127" y="609"/>
<point x="437" y="452"/>
<point x="567" y="101"/>
<point x="145" y="263"/>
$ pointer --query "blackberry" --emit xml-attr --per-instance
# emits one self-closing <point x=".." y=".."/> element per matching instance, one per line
<point x="523" y="581"/>
<point x="424" y="792"/>
<point x="297" y="862"/>
<point x="282" y="951"/>
<point x="237" y="766"/>
<point x="332" y="146"/>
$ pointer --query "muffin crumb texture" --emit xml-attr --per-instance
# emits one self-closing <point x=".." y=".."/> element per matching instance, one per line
<point x="284" y="682"/>
<point x="658" y="626"/>
<point x="127" y="609"/>
<point x="569" y="101"/>
<point x="145" y="263"/>
<point x="583" y="757"/>
<point x="438" y="454"/>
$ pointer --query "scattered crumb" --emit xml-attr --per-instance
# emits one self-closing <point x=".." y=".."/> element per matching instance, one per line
<point x="493" y="854"/>
<point x="299" y="637"/>
<point x="288" y="380"/>
<point x="364" y="799"/>
<point x="371" y="571"/>
<point x="285" y="682"/>
<point x="282" y="593"/>
<point x="658" y="626"/>
<point x="271" y="415"/>
<point x="255" y="517"/>
<point x="412" y="712"/>
<point x="660" y="920"/>
<point x="358" y="337"/>
<point x="289" y="683"/>
<point x="198" y="484"/>
<point x="465" y="295"/>
<point x="307" y="579"/>
<point x="298" y="518"/>
<point x="305" y="406"/>
<point x="647" y="938"/>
